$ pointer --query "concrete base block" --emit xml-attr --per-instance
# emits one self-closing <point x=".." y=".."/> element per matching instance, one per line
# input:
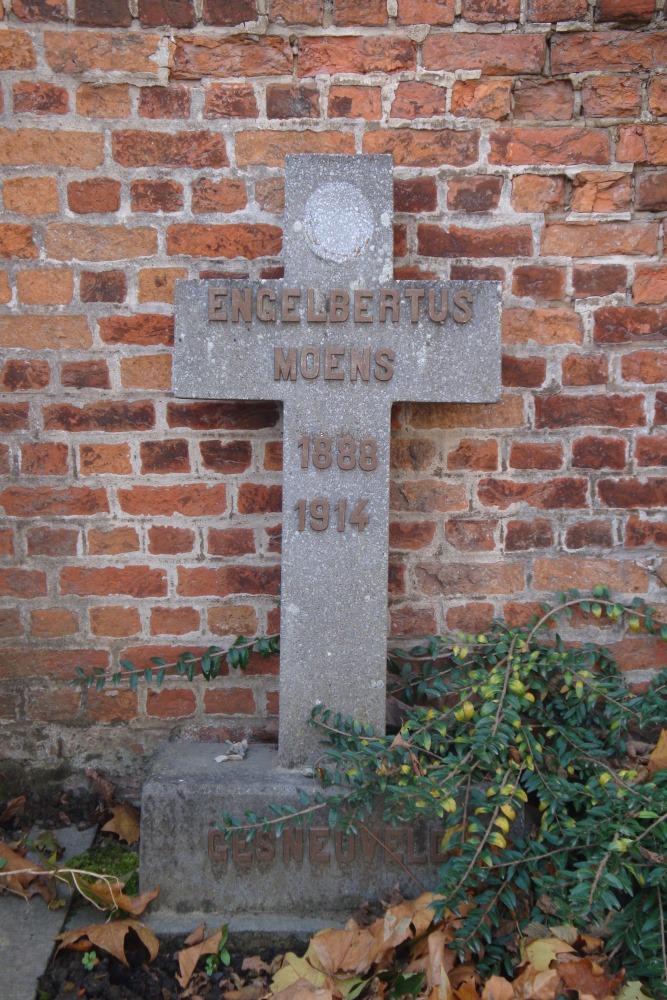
<point x="312" y="876"/>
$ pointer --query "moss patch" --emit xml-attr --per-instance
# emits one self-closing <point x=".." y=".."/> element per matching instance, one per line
<point x="108" y="857"/>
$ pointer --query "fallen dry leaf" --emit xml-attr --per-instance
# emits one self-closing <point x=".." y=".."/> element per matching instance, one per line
<point x="124" y="823"/>
<point x="14" y="879"/>
<point x="253" y="963"/>
<point x="658" y="759"/>
<point x="110" y="895"/>
<point x="351" y="950"/>
<point x="543" y="952"/>
<point x="105" y="789"/>
<point x="109" y="937"/>
<point x="538" y="985"/>
<point x="12" y="809"/>
<point x="498" y="988"/>
<point x="189" y="956"/>
<point x="251" y="991"/>
<point x="589" y="978"/>
<point x="467" y="991"/>
<point x="303" y="990"/>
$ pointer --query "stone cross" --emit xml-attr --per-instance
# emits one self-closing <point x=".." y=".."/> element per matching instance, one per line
<point x="338" y="341"/>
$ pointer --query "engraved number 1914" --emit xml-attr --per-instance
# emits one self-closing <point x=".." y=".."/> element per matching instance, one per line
<point x="317" y="514"/>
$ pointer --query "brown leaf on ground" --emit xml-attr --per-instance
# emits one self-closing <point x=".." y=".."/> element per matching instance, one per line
<point x="498" y="988"/>
<point x="538" y="985"/>
<point x="351" y="950"/>
<point x="303" y="990"/>
<point x="105" y="789"/>
<point x="109" y="937"/>
<point x="12" y="809"/>
<point x="589" y="978"/>
<point x="543" y="952"/>
<point x="124" y="823"/>
<point x="110" y="895"/>
<point x="251" y="991"/>
<point x="188" y="957"/>
<point x="253" y="963"/>
<point x="658" y="759"/>
<point x="437" y="979"/>
<point x="467" y="991"/>
<point x="14" y="877"/>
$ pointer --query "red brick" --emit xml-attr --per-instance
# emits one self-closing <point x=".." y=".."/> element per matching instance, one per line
<point x="111" y="705"/>
<point x="273" y="456"/>
<point x="598" y="239"/>
<point x="53" y="149"/>
<point x="642" y="144"/>
<point x="145" y="329"/>
<point x="474" y="194"/>
<point x="626" y="51"/>
<point x="45" y="459"/>
<point x="274" y="537"/>
<point x="40" y="10"/>
<point x="114" y="417"/>
<point x="475" y="579"/>
<point x="495" y="55"/>
<point x="53" y="705"/>
<point x="39" y="98"/>
<point x="4" y="459"/>
<point x="556" y="574"/>
<point x="115" y="622"/>
<point x="650" y="192"/>
<point x="270" y="148"/>
<point x="543" y="326"/>
<point x="229" y="701"/>
<point x="99" y="195"/>
<point x="196" y="56"/>
<point x="22" y="583"/>
<point x="85" y="375"/>
<point x="474" y="454"/>
<point x="230" y="100"/>
<point x="16" y="241"/>
<point x="225" y="195"/>
<point x="22" y="376"/>
<point x="640" y="532"/>
<point x="231" y="541"/>
<point x="423" y="147"/>
<point x="52" y="541"/>
<point x="533" y="455"/>
<point x="585" y="534"/>
<point x="53" y="623"/>
<point x="31" y="195"/>
<point x="103" y="100"/>
<point x="637" y="654"/>
<point x="10" y="623"/>
<point x="226" y="457"/>
<point x="482" y="98"/>
<point x="360" y="54"/>
<point x="249" y="240"/>
<point x="225" y="580"/>
<point x="369" y="14"/>
<point x="543" y="100"/>
<point x="418" y="194"/>
<point x="174" y="621"/>
<point x="355" y="102"/>
<point x="156" y="196"/>
<point x="50" y="663"/>
<point x="20" y="501"/>
<point x="528" y="373"/>
<point x="164" y="102"/>
<point x="521" y="536"/>
<point x="65" y="241"/>
<point x="539" y="281"/>
<point x="103" y="13"/>
<point x="535" y="193"/>
<point x="590" y="411"/>
<point x="585" y="369"/>
<point x="418" y="100"/>
<point x="156" y="284"/>
<point x="51" y="286"/>
<point x="471" y="536"/>
<point x="166" y="540"/>
<point x="644" y="366"/>
<point x="411" y="621"/>
<point x="105" y="459"/>
<point x="416" y="454"/>
<point x="286" y="100"/>
<point x="6" y="542"/>
<point x="175" y="13"/>
<point x="134" y="148"/>
<point x="472" y="617"/>
<point x="16" y="51"/>
<point x="557" y="145"/>
<point x="485" y="11"/>
<point x="107" y="51"/>
<point x="622" y="324"/>
<point x="651" y="451"/>
<point x="610" y="191"/>
<point x="598" y="453"/>
<point x="634" y="11"/>
<point x="14" y="416"/>
<point x="147" y="371"/>
<point x="507" y="413"/>
<point x="254" y="498"/>
<point x="224" y="12"/>
<point x="411" y="535"/>
<point x="433" y="12"/>
<point x="133" y="581"/>
<point x="270" y="195"/>
<point x="191" y="500"/>
<point x="544" y="11"/>
<point x="611" y="96"/>
<point x="112" y="542"/>
<point x="232" y="620"/>
<point x="650" y="285"/>
<point x="633" y="492"/>
<point x="205" y="415"/>
<point x="598" y="279"/>
<point x="559" y="493"/>
<point x="497" y="241"/>
<point x="103" y="286"/>
<point x="657" y="96"/>
<point x="427" y="495"/>
<point x="164" y="456"/>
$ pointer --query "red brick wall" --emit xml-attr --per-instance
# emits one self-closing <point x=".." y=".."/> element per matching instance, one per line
<point x="144" y="142"/>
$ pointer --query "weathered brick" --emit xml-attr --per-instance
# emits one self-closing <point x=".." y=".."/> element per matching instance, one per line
<point x="50" y="663"/>
<point x="85" y="375"/>
<point x="543" y="326"/>
<point x="536" y="193"/>
<point x="134" y="148"/>
<point x="427" y="495"/>
<point x="611" y="96"/>
<point x="471" y="535"/>
<point x="206" y="415"/>
<point x="17" y="241"/>
<point x="226" y="12"/>
<point x="640" y="532"/>
<point x="554" y="574"/>
<point x="112" y="541"/>
<point x="156" y="196"/>
<point x="651" y="192"/>
<point x="355" y="102"/>
<point x="433" y="12"/>
<point x="167" y="540"/>
<point x="598" y="279"/>
<point x="535" y="455"/>
<point x="103" y="13"/>
<point x="14" y="416"/>
<point x="610" y="410"/>
<point x="287" y="100"/>
<point x="650" y="285"/>
<point x="195" y="56"/>
<point x="556" y="10"/>
<point x="105" y="459"/>
<point x="249" y="240"/>
<point x="483" y="98"/>
<point x="156" y="284"/>
<point x="74" y="52"/>
<point x="99" y="195"/>
<point x="108" y="100"/>
<point x="270" y="148"/>
<point x="475" y="579"/>
<point x="4" y="460"/>
<point x="585" y="369"/>
<point x="497" y="241"/>
<point x="589" y="534"/>
<point x="557" y="145"/>
<point x="163" y="457"/>
<point x="599" y="453"/>
<point x="38" y="98"/>
<point x="174" y="621"/>
<point x="111" y="416"/>
<point x="642" y="144"/>
<point x="225" y="195"/>
<point x="558" y="493"/>
<point x="40" y="10"/>
<point x="507" y="413"/>
<point x="539" y="281"/>
<point x="114" y="621"/>
<point x="56" y="542"/>
<point x="528" y="373"/>
<point x="53" y="149"/>
<point x="111" y="706"/>
<point x="610" y="191"/>
<point x="543" y="100"/>
<point x="624" y="324"/>
<point x="45" y="287"/>
<point x="229" y="701"/>
<point x="474" y="194"/>
<point x="191" y="500"/>
<point x="418" y="100"/>
<point x="474" y="454"/>
<point x="231" y="541"/>
<point x="360" y="54"/>
<point x="146" y="371"/>
<point x="22" y="583"/>
<point x="644" y="366"/>
<point x="203" y="581"/>
<point x="145" y="329"/>
<point x="424" y="148"/>
<point x="632" y="492"/>
<point x="21" y="501"/>
<point x="174" y="13"/>
<point x="494" y="55"/>
<point x="103" y="286"/>
<point x="67" y="241"/>
<point x="651" y="451"/>
<point x="47" y="458"/>
<point x="273" y="456"/>
<point x="230" y="100"/>
<point x="31" y="195"/>
<point x="626" y="51"/>
<point x="660" y="416"/>
<point x="418" y="194"/>
<point x="226" y="457"/>
<point x="232" y="620"/>
<point x="10" y="623"/>
<point x="164" y="102"/>
<point x="522" y="536"/>
<point x="657" y="95"/>
<point x="597" y="239"/>
<point x="132" y="581"/>
<point x="16" y="50"/>
<point x="23" y="376"/>
<point x="53" y="623"/>
<point x="486" y="11"/>
<point x="59" y="705"/>
<point x="473" y="616"/>
<point x="255" y="498"/>
<point x="634" y="11"/>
